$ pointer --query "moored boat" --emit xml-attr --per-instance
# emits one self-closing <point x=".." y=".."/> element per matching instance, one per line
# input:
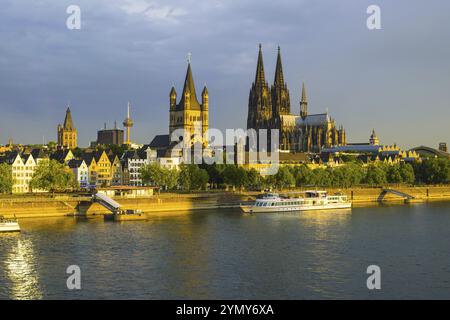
<point x="312" y="200"/>
<point x="9" y="225"/>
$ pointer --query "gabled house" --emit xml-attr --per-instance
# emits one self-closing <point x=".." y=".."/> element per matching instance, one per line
<point x="81" y="172"/>
<point x="22" y="168"/>
<point x="89" y="159"/>
<point x="116" y="169"/>
<point x="103" y="168"/>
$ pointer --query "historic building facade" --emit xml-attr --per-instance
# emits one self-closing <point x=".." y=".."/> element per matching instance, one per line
<point x="271" y="109"/>
<point x="188" y="114"/>
<point x="67" y="133"/>
<point x="110" y="136"/>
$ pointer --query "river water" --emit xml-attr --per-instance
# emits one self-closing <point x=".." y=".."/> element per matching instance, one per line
<point x="223" y="254"/>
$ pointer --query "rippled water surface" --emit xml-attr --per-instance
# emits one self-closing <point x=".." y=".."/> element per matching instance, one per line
<point x="227" y="255"/>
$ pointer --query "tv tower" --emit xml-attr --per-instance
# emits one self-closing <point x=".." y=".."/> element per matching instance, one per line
<point x="128" y="123"/>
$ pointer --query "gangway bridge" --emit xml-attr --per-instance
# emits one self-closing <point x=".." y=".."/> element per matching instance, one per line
<point x="404" y="195"/>
<point x="107" y="202"/>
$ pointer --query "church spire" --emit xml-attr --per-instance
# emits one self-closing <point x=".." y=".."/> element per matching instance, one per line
<point x="260" y="78"/>
<point x="279" y="77"/>
<point x="189" y="87"/>
<point x="189" y="81"/>
<point x="304" y="99"/>
<point x="68" y="123"/>
<point x="303" y="103"/>
<point x="281" y="102"/>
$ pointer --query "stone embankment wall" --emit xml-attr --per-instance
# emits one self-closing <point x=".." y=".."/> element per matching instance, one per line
<point x="174" y="203"/>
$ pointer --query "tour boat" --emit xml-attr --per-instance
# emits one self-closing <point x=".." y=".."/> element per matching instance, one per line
<point x="312" y="200"/>
<point x="9" y="225"/>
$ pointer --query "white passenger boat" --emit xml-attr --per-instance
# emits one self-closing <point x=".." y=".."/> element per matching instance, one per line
<point x="312" y="200"/>
<point x="9" y="225"/>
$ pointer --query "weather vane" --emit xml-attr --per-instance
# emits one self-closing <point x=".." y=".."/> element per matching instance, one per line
<point x="189" y="57"/>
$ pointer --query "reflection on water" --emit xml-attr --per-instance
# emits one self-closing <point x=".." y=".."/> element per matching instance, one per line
<point x="20" y="269"/>
<point x="224" y="254"/>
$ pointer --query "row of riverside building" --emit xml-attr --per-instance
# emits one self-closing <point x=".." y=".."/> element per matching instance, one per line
<point x="91" y="168"/>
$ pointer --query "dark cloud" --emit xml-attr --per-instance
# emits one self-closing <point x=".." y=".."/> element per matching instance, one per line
<point x="395" y="79"/>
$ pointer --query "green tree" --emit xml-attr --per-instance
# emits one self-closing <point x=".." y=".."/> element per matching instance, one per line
<point x="159" y="176"/>
<point x="52" y="146"/>
<point x="171" y="178"/>
<point x="152" y="174"/>
<point x="253" y="180"/>
<point x="303" y="175"/>
<point x="375" y="175"/>
<point x="234" y="176"/>
<point x="407" y="173"/>
<point x="393" y="173"/>
<point x="354" y="174"/>
<point x="215" y="173"/>
<point x="322" y="177"/>
<point x="191" y="177"/>
<point x="284" y="178"/>
<point x="6" y="179"/>
<point x="53" y="176"/>
<point x="433" y="171"/>
<point x="337" y="176"/>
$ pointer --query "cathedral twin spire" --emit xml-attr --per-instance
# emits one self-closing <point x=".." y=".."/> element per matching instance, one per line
<point x="279" y="77"/>
<point x="260" y="78"/>
<point x="276" y="99"/>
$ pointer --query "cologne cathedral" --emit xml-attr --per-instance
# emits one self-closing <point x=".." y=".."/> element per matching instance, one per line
<point x="270" y="108"/>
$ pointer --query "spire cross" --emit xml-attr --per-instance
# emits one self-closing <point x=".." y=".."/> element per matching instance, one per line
<point x="189" y="56"/>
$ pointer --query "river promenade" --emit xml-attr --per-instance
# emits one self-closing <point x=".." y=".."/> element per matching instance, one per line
<point x="164" y="204"/>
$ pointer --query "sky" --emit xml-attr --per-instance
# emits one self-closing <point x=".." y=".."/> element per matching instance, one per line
<point x="395" y="80"/>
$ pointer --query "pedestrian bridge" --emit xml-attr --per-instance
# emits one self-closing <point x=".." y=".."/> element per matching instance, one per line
<point x="404" y="195"/>
<point x="106" y="202"/>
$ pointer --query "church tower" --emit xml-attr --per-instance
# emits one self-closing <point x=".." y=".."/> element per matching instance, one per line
<point x="67" y="133"/>
<point x="280" y="94"/>
<point x="374" y="141"/>
<point x="189" y="115"/>
<point x="303" y="103"/>
<point x="259" y="102"/>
